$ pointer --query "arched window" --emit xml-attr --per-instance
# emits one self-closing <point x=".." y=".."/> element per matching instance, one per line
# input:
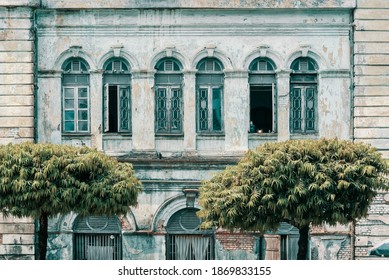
<point x="75" y="96"/>
<point x="117" y="96"/>
<point x="303" y="96"/>
<point x="185" y="241"/>
<point x="262" y="80"/>
<point x="209" y="87"/>
<point x="168" y="97"/>
<point x="97" y="238"/>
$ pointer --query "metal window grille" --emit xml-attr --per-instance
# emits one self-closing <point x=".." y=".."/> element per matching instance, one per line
<point x="303" y="97"/>
<point x="169" y="111"/>
<point x="168" y="97"/>
<point x="97" y="246"/>
<point x="303" y="108"/>
<point x="97" y="238"/>
<point x="185" y="241"/>
<point x="190" y="252"/>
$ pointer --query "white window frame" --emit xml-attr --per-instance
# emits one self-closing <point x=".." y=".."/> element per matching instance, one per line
<point x="76" y="109"/>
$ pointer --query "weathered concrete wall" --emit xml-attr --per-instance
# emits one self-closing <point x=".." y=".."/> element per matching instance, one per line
<point x="16" y="74"/>
<point x="16" y="238"/>
<point x="144" y="36"/>
<point x="229" y="4"/>
<point x="371" y="107"/>
<point x="16" y="108"/>
<point x="236" y="38"/>
<point x="371" y="74"/>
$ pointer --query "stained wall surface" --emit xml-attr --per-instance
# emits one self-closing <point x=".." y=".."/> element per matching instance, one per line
<point x="371" y="108"/>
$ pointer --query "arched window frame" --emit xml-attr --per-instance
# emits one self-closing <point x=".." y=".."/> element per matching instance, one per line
<point x="97" y="238"/>
<point x="75" y="96"/>
<point x="117" y="96"/>
<point x="185" y="240"/>
<point x="169" y="112"/>
<point x="303" y="96"/>
<point x="262" y="81"/>
<point x="209" y="96"/>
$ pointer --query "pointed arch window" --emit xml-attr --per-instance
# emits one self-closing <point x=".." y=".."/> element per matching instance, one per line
<point x="262" y="81"/>
<point x="75" y="96"/>
<point x="117" y="96"/>
<point x="209" y="95"/>
<point x="168" y="97"/>
<point x="303" y="96"/>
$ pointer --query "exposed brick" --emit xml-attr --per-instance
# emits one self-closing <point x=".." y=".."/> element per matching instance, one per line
<point x="236" y="241"/>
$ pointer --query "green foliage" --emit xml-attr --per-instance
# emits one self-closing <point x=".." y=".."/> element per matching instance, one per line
<point x="49" y="179"/>
<point x="301" y="182"/>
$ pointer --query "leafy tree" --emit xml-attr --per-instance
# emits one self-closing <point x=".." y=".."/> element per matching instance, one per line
<point x="306" y="182"/>
<point x="43" y="180"/>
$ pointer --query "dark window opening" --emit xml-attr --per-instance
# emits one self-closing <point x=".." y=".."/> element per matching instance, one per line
<point x="113" y="109"/>
<point x="261" y="108"/>
<point x="117" y="108"/>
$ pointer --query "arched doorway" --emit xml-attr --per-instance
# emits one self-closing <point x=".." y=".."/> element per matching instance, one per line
<point x="185" y="240"/>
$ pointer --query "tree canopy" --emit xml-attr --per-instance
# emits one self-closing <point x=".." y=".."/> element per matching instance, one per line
<point x="50" y="179"/>
<point x="302" y="182"/>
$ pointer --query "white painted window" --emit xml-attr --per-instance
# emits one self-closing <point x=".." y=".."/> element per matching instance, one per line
<point x="75" y="97"/>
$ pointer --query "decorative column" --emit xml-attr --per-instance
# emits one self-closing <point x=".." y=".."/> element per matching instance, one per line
<point x="189" y="92"/>
<point x="236" y="110"/>
<point x="283" y="104"/>
<point x="96" y="112"/>
<point x="143" y="110"/>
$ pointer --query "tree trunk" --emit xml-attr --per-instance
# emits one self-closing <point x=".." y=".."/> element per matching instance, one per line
<point x="42" y="236"/>
<point x="303" y="242"/>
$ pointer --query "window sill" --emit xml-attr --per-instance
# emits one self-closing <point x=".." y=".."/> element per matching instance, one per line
<point x="117" y="133"/>
<point x="210" y="135"/>
<point x="262" y="135"/>
<point x="76" y="134"/>
<point x="306" y="135"/>
<point x="162" y="136"/>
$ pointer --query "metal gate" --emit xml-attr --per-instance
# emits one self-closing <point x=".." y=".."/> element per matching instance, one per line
<point x="97" y="247"/>
<point x="190" y="247"/>
<point x="97" y="238"/>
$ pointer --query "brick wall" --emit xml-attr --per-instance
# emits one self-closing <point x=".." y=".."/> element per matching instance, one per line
<point x="236" y="241"/>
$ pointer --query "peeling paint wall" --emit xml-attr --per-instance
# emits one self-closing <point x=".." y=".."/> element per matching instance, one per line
<point x="235" y="37"/>
<point x="16" y="108"/>
<point x="371" y="108"/>
<point x="235" y="32"/>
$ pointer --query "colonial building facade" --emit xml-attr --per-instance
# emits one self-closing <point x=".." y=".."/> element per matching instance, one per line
<point x="181" y="90"/>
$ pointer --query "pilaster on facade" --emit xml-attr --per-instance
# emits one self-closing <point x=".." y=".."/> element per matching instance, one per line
<point x="237" y="115"/>
<point x="143" y="108"/>
<point x="189" y="89"/>
<point x="283" y="104"/>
